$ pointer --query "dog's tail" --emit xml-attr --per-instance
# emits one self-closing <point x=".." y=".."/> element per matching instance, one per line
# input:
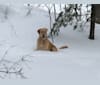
<point x="63" y="47"/>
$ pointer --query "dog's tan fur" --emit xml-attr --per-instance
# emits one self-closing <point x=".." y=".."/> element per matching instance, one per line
<point x="43" y="43"/>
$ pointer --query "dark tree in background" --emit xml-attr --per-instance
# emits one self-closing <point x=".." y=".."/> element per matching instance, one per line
<point x="95" y="18"/>
<point x="92" y="23"/>
<point x="71" y="15"/>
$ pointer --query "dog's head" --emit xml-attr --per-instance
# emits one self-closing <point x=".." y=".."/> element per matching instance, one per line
<point x="42" y="33"/>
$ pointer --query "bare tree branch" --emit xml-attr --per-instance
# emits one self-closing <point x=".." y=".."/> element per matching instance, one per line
<point x="8" y="67"/>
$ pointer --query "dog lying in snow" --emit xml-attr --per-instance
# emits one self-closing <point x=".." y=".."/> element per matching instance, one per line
<point x="43" y="42"/>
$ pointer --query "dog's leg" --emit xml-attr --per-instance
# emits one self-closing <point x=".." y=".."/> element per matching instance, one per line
<point x="53" y="49"/>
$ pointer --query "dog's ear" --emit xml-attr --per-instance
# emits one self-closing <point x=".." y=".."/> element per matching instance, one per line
<point x="38" y="31"/>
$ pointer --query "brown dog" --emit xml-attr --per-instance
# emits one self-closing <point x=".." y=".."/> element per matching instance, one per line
<point x="43" y="43"/>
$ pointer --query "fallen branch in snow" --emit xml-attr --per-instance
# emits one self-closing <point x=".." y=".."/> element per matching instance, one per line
<point x="14" y="68"/>
<point x="7" y="72"/>
<point x="8" y="67"/>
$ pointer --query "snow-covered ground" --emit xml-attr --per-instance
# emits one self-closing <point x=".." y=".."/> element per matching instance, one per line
<point x="77" y="65"/>
<point x="49" y="1"/>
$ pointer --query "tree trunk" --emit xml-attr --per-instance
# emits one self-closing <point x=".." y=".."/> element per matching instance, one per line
<point x="92" y="23"/>
<point x="54" y="11"/>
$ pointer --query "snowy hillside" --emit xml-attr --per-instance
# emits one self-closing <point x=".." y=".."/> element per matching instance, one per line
<point x="77" y="65"/>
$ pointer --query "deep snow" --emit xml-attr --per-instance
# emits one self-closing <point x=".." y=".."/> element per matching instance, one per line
<point x="77" y="65"/>
<point x="48" y="1"/>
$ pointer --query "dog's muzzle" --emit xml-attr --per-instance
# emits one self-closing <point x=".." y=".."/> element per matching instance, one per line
<point x="44" y="37"/>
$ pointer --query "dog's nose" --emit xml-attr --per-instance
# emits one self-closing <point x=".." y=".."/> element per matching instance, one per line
<point x="43" y="36"/>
